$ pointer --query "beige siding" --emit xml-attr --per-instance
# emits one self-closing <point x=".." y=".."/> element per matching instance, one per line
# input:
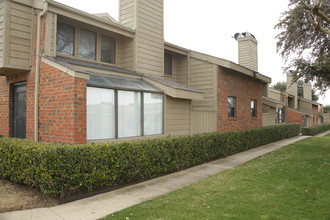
<point x="182" y="68"/>
<point x="127" y="13"/>
<point x="248" y="53"/>
<point x="2" y="9"/>
<point x="269" y="118"/>
<point x="50" y="37"/>
<point x="20" y="35"/>
<point x="179" y="69"/>
<point x="149" y="38"/>
<point x="274" y="94"/>
<point x="147" y="17"/>
<point x="125" y="53"/>
<point x="305" y="106"/>
<point x="177" y="117"/>
<point x="203" y="121"/>
<point x="203" y="78"/>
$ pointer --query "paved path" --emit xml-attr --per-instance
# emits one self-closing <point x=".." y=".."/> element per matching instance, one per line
<point x="101" y="205"/>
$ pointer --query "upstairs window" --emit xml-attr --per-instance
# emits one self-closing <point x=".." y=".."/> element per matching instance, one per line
<point x="254" y="108"/>
<point x="231" y="107"/>
<point x="168" y="64"/>
<point x="108" y="49"/>
<point x="86" y="44"/>
<point x="65" y="38"/>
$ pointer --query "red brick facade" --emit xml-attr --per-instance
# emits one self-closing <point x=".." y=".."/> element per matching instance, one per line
<point x="293" y="116"/>
<point x="245" y="89"/>
<point x="62" y="107"/>
<point x="62" y="104"/>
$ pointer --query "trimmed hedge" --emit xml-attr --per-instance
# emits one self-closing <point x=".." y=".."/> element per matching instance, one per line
<point x="311" y="131"/>
<point x="59" y="169"/>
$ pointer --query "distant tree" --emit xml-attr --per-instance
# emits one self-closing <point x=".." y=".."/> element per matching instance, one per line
<point x="280" y="86"/>
<point x="326" y="109"/>
<point x="315" y="97"/>
<point x="304" y="40"/>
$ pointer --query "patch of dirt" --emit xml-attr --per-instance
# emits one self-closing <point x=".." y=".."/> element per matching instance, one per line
<point x="17" y="197"/>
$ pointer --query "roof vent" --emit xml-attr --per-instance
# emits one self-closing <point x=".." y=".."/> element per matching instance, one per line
<point x="244" y="34"/>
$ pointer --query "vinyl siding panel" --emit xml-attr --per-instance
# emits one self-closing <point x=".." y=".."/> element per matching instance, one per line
<point x="203" y="78"/>
<point x="269" y="118"/>
<point x="50" y="38"/>
<point x="149" y="41"/>
<point x="127" y="13"/>
<point x="177" y="116"/>
<point x="248" y="54"/>
<point x="2" y="12"/>
<point x="203" y="121"/>
<point x="127" y="56"/>
<point x="20" y="35"/>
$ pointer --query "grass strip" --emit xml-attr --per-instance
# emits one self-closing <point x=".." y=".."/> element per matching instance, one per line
<point x="291" y="183"/>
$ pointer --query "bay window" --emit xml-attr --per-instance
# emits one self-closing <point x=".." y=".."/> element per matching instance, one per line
<point x="153" y="113"/>
<point x="129" y="114"/>
<point x="100" y="113"/>
<point x="115" y="113"/>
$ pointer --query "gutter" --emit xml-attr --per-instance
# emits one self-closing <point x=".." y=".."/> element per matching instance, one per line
<point x="37" y="74"/>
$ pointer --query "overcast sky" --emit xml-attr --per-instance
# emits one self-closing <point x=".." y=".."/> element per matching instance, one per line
<point x="208" y="26"/>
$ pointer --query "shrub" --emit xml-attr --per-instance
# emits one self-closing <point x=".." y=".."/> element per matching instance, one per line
<point x="311" y="131"/>
<point x="60" y="169"/>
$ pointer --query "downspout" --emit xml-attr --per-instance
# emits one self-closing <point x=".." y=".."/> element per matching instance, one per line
<point x="37" y="70"/>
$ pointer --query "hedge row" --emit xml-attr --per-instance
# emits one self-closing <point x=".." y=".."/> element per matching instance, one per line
<point x="59" y="169"/>
<point x="311" y="131"/>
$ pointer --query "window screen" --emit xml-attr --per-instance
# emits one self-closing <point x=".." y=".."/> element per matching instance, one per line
<point x="65" y="39"/>
<point x="231" y="107"/>
<point x="87" y="45"/>
<point x="108" y="49"/>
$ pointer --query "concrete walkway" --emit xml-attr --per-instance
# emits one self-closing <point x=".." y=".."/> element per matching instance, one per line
<point x="103" y="204"/>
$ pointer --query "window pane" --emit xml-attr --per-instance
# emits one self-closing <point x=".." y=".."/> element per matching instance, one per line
<point x="108" y="49"/>
<point x="254" y="108"/>
<point x="129" y="114"/>
<point x="87" y="46"/>
<point x="168" y="64"/>
<point x="231" y="106"/>
<point x="153" y="113"/>
<point x="100" y="113"/>
<point x="65" y="39"/>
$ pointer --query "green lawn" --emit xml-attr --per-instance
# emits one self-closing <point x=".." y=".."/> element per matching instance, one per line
<point x="291" y="183"/>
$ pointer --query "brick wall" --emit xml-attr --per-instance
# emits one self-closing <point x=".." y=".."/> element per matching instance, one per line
<point x="62" y="107"/>
<point x="6" y="102"/>
<point x="245" y="89"/>
<point x="62" y="103"/>
<point x="293" y="116"/>
<point x="4" y="107"/>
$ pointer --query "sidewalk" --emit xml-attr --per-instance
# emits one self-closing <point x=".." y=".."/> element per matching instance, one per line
<point x="103" y="204"/>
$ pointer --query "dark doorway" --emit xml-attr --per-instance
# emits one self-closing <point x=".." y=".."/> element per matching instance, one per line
<point x="19" y="110"/>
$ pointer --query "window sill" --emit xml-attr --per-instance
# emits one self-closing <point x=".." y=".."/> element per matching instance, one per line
<point x="100" y="141"/>
<point x="86" y="60"/>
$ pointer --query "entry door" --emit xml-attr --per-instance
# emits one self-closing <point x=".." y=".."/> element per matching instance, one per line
<point x="19" y="110"/>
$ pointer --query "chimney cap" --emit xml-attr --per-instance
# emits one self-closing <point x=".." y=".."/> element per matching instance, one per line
<point x="243" y="34"/>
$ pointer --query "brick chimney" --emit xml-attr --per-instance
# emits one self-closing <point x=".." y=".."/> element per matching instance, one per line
<point x="247" y="50"/>
<point x="147" y="18"/>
